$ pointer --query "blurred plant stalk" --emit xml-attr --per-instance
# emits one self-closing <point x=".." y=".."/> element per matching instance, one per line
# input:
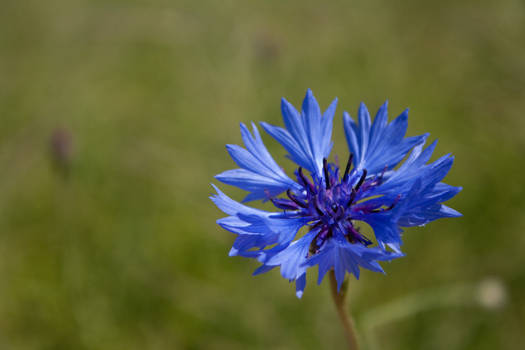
<point x="341" y="306"/>
<point x="62" y="151"/>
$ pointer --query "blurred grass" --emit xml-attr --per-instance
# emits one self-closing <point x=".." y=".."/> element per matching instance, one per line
<point x="122" y="251"/>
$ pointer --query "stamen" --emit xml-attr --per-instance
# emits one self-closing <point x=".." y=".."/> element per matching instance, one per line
<point x="379" y="178"/>
<point x="312" y="250"/>
<point x="295" y="199"/>
<point x="354" y="235"/>
<point x="364" y="239"/>
<point x="316" y="225"/>
<point x="382" y="174"/>
<point x="390" y="207"/>
<point x="316" y="206"/>
<point x="352" y="197"/>
<point x="285" y="204"/>
<point x="381" y="210"/>
<point x="326" y="177"/>
<point x="318" y="240"/>
<point x="305" y="180"/>
<point x="348" y="164"/>
<point x="361" y="180"/>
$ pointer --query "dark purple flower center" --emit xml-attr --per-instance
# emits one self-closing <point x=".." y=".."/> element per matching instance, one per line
<point x="330" y="203"/>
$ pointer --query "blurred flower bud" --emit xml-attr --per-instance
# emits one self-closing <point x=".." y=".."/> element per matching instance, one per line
<point x="492" y="293"/>
<point x="61" y="150"/>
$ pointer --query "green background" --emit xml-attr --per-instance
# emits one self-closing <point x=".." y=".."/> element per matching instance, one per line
<point x="113" y="243"/>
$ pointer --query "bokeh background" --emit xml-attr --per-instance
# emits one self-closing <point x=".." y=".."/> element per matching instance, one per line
<point x="113" y="121"/>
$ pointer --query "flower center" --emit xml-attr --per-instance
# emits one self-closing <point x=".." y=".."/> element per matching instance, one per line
<point x="329" y="203"/>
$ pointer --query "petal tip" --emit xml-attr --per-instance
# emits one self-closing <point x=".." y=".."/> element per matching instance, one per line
<point x="233" y="252"/>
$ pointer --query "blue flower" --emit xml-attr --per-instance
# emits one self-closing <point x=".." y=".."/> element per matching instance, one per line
<point x="328" y="200"/>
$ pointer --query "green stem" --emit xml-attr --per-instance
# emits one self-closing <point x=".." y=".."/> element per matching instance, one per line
<point x="340" y="305"/>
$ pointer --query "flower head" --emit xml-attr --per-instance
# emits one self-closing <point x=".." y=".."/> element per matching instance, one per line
<point x="331" y="201"/>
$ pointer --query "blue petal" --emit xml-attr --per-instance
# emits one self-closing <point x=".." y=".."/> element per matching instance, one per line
<point x="292" y="258"/>
<point x="259" y="174"/>
<point x="385" y="226"/>
<point x="381" y="146"/>
<point x="344" y="257"/>
<point x="386" y="223"/>
<point x="244" y="245"/>
<point x="262" y="269"/>
<point x="232" y="207"/>
<point x="425" y="204"/>
<point x="236" y="225"/>
<point x="364" y="126"/>
<point x="300" y="284"/>
<point x="307" y="137"/>
<point x="255" y="228"/>
<point x="326" y="127"/>
<point x="351" y="132"/>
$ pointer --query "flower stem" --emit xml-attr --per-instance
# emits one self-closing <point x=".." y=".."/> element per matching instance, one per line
<point x="340" y="305"/>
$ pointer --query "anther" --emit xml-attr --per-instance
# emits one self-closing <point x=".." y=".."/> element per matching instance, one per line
<point x="379" y="178"/>
<point x="365" y="240"/>
<point x="283" y="203"/>
<point x="294" y="199"/>
<point x="352" y="197"/>
<point x="305" y="180"/>
<point x="348" y="164"/>
<point x="318" y="241"/>
<point x="326" y="177"/>
<point x="361" y="180"/>
<point x="319" y="211"/>
<point x="316" y="225"/>
<point x="390" y="207"/>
